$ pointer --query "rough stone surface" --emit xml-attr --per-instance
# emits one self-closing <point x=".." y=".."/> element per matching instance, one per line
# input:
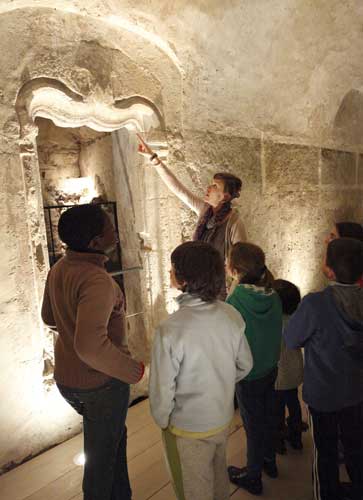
<point x="239" y="86"/>
<point x="338" y="167"/>
<point x="291" y="166"/>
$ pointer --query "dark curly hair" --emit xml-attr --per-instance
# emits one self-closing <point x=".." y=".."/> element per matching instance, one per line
<point x="289" y="295"/>
<point x="78" y="225"/>
<point x="201" y="267"/>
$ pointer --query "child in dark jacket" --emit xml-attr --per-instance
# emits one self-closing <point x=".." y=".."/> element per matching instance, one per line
<point x="329" y="325"/>
<point x="290" y="374"/>
<point x="261" y="310"/>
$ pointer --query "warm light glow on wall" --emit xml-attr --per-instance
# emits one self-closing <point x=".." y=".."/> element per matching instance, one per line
<point x="83" y="186"/>
<point x="79" y="459"/>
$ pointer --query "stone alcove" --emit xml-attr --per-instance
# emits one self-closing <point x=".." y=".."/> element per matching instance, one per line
<point x="72" y="151"/>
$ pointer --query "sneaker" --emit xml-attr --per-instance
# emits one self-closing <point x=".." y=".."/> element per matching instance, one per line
<point x="270" y="468"/>
<point x="241" y="478"/>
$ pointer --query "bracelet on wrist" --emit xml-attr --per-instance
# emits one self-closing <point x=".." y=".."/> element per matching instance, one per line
<point x="153" y="156"/>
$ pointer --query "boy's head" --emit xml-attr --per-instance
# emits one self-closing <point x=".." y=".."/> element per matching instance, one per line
<point x="289" y="295"/>
<point x="87" y="227"/>
<point x="345" y="230"/>
<point x="350" y="230"/>
<point x="197" y="268"/>
<point x="344" y="260"/>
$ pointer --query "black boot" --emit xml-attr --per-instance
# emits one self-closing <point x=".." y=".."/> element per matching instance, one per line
<point x="241" y="478"/>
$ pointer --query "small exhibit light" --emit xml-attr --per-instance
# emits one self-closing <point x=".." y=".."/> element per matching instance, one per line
<point x="83" y="186"/>
<point x="79" y="459"/>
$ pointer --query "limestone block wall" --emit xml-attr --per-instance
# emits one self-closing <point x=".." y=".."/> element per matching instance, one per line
<point x="292" y="194"/>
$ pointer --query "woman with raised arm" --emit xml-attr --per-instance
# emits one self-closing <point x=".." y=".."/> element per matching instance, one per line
<point x="219" y="223"/>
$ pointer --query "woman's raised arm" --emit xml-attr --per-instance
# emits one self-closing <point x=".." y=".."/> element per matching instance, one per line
<point x="184" y="194"/>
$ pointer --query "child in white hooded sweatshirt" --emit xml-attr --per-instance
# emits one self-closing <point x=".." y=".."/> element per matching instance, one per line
<point x="199" y="354"/>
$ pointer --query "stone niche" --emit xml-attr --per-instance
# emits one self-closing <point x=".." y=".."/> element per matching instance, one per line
<point x="78" y="165"/>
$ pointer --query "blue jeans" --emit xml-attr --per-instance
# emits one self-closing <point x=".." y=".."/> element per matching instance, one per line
<point x="104" y="411"/>
<point x="257" y="405"/>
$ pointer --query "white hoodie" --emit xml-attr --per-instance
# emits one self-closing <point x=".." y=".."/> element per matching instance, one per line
<point x="199" y="354"/>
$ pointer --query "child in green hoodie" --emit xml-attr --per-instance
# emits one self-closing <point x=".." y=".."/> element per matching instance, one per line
<point x="261" y="310"/>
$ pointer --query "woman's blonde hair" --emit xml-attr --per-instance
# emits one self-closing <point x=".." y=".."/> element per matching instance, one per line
<point x="248" y="261"/>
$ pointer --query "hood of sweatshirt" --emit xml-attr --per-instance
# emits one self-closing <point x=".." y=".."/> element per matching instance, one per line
<point x="256" y="300"/>
<point x="349" y="302"/>
<point x="349" y="299"/>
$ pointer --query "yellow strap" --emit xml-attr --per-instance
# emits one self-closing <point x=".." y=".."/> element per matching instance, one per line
<point x="196" y="435"/>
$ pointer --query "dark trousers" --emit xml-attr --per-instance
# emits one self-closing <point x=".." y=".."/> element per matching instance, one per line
<point x="290" y="399"/>
<point x="257" y="404"/>
<point x="104" y="413"/>
<point x="324" y="428"/>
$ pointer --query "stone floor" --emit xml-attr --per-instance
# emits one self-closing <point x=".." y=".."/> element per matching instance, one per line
<point x="54" y="476"/>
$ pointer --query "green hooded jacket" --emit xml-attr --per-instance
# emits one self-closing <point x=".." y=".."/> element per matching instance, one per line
<point x="262" y="313"/>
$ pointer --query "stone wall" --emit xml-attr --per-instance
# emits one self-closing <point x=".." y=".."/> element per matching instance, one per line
<point x="292" y="194"/>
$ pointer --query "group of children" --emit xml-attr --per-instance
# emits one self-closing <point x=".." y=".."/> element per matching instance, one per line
<point x="250" y="345"/>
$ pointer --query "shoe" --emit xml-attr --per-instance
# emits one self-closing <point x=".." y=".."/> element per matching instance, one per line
<point x="270" y="468"/>
<point x="281" y="448"/>
<point x="241" y="478"/>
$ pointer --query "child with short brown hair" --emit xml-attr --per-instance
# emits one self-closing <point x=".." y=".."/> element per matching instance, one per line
<point x="199" y="353"/>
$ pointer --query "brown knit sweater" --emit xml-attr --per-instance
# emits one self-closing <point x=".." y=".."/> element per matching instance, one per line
<point x="86" y="307"/>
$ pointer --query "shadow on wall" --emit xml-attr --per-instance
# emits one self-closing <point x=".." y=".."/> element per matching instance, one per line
<point x="348" y="123"/>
